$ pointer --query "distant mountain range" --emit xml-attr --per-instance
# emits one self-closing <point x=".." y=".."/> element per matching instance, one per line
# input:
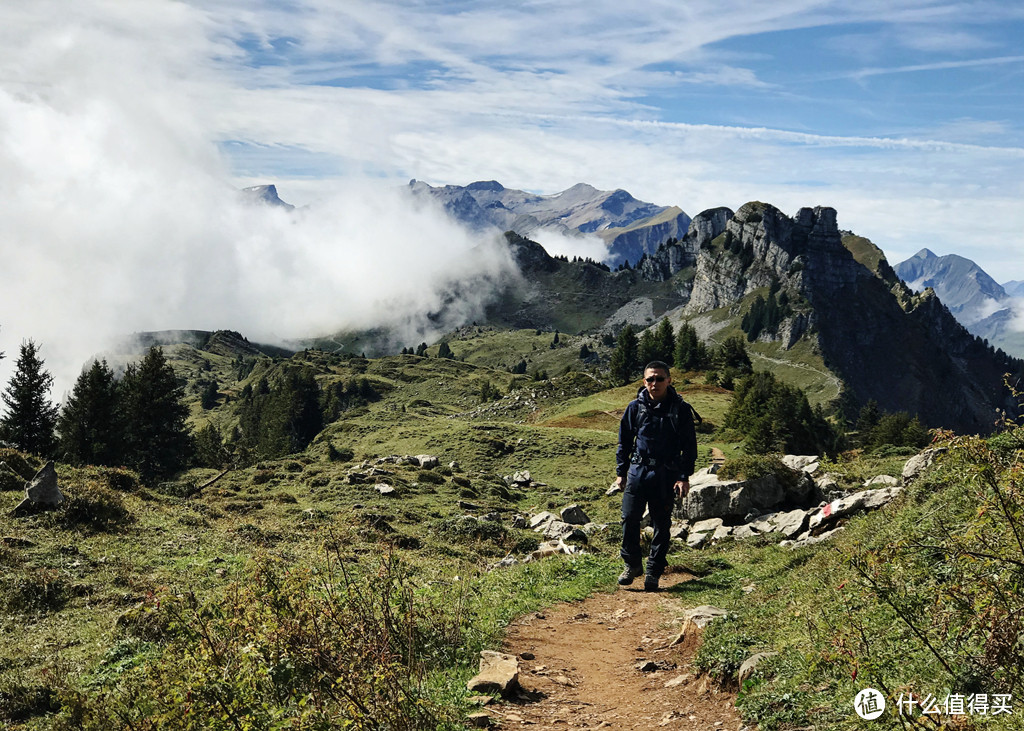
<point x="833" y="317"/>
<point x="628" y="227"/>
<point x="987" y="309"/>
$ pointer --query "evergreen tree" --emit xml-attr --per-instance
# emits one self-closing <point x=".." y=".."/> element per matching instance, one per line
<point x="520" y="367"/>
<point x="209" y="395"/>
<point x="30" y="419"/>
<point x="157" y="441"/>
<point x="664" y="343"/>
<point x="691" y="353"/>
<point x="421" y="349"/>
<point x="287" y="417"/>
<point x="732" y="355"/>
<point x="210" y="450"/>
<point x="647" y="349"/>
<point x="445" y="351"/>
<point x="774" y="417"/>
<point x="625" y="358"/>
<point x="867" y="420"/>
<point x="91" y="423"/>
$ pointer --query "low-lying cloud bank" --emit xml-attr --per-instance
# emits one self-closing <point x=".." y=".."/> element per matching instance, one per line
<point x="116" y="221"/>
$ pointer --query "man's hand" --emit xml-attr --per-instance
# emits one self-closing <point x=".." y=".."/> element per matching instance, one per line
<point x="619" y="479"/>
<point x="682" y="487"/>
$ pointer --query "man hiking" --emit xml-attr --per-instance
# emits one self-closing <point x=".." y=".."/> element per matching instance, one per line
<point x="655" y="458"/>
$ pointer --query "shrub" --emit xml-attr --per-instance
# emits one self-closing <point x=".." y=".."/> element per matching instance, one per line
<point x="429" y="477"/>
<point x="33" y="590"/>
<point x="752" y="467"/>
<point x="88" y="504"/>
<point x="120" y="479"/>
<point x="296" y="647"/>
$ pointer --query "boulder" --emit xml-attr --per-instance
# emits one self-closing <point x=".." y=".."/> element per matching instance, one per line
<point x="710" y="497"/>
<point x="698" y="618"/>
<point x="551" y="548"/>
<point x="558" y="531"/>
<point x="789" y="523"/>
<point x="747" y="530"/>
<point x="807" y="539"/>
<point x="499" y="673"/>
<point x="426" y="461"/>
<point x="804" y="463"/>
<point x="591" y="528"/>
<point x="702" y="532"/>
<point x="920" y="462"/>
<point x="540" y="519"/>
<point x="882" y="480"/>
<point x="574" y="515"/>
<point x="831" y="513"/>
<point x="41" y="492"/>
<point x="384" y="489"/>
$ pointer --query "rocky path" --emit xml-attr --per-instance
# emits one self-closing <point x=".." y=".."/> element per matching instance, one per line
<point x="606" y="663"/>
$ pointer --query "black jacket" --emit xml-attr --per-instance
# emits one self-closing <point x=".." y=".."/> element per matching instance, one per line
<point x="662" y="431"/>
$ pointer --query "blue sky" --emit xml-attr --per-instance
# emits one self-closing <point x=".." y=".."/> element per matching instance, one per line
<point x="123" y="124"/>
<point x="905" y="116"/>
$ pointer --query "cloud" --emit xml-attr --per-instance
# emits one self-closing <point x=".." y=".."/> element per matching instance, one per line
<point x="120" y="215"/>
<point x="558" y="244"/>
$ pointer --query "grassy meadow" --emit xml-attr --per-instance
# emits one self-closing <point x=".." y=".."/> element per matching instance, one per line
<point x="294" y="593"/>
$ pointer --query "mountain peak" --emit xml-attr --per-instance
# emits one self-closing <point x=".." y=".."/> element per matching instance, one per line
<point x="266" y="194"/>
<point x="491" y="185"/>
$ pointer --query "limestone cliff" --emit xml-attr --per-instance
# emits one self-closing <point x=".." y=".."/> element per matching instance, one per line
<point x="903" y="350"/>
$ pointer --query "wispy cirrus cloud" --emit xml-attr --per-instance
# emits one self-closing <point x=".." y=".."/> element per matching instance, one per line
<point x="904" y="115"/>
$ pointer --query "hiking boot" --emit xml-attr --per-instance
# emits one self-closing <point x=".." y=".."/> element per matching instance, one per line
<point x="630" y="573"/>
<point x="650" y="583"/>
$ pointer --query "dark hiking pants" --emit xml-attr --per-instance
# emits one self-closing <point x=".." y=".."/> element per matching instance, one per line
<point x="651" y="488"/>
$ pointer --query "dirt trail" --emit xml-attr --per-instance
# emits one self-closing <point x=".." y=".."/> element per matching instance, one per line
<point x="581" y="667"/>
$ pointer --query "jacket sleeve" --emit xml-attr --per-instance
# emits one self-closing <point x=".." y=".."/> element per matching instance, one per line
<point x="627" y="435"/>
<point x="687" y="442"/>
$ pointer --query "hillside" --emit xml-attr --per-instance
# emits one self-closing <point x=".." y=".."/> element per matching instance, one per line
<point x="137" y="605"/>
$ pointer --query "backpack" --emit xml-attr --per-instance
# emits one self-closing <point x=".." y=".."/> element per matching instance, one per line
<point x="673" y="413"/>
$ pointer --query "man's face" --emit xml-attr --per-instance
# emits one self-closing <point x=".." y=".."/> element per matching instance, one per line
<point x="656" y="381"/>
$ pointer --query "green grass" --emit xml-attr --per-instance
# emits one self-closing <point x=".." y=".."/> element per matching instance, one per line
<point x="82" y="592"/>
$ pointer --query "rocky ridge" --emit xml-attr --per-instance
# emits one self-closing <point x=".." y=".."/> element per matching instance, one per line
<point x="629" y="227"/>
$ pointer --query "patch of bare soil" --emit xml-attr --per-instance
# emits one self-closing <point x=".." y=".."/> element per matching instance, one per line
<point x="607" y="663"/>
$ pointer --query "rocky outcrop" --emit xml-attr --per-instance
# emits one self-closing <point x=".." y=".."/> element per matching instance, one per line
<point x="41" y="493"/>
<point x="711" y="497"/>
<point x="789" y="504"/>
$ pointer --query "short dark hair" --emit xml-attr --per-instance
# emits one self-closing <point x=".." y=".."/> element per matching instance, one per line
<point x="657" y="365"/>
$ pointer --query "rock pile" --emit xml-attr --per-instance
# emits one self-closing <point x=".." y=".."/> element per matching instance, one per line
<point x="804" y="507"/>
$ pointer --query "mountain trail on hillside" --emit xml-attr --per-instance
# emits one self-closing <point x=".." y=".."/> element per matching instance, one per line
<point x="607" y="662"/>
<point x="830" y="378"/>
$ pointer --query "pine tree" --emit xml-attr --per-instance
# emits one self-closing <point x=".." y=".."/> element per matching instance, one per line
<point x="648" y="348"/>
<point x="625" y="358"/>
<point x="210" y="450"/>
<point x="30" y="419"/>
<point x="209" y="395"/>
<point x="445" y="351"/>
<point x="733" y="355"/>
<point x="91" y="424"/>
<point x="691" y="353"/>
<point x="665" y="342"/>
<point x="157" y="440"/>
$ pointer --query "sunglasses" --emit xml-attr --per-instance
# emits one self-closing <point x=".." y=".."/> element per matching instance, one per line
<point x="654" y="379"/>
